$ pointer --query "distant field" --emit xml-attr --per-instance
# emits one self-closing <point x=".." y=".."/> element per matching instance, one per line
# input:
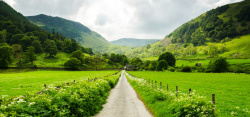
<point x="179" y="63"/>
<point x="231" y="90"/>
<point x="18" y="83"/>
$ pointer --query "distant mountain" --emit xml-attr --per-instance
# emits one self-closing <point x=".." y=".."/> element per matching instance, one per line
<point x="134" y="42"/>
<point x="70" y="29"/>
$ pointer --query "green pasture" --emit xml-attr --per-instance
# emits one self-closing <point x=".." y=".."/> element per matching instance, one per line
<point x="18" y="83"/>
<point x="232" y="91"/>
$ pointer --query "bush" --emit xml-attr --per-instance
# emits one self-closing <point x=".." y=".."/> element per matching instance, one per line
<point x="35" y="66"/>
<point x="186" y="69"/>
<point x="73" y="64"/>
<point x="218" y="65"/>
<point x="200" y="69"/>
<point x="172" y="69"/>
<point x="162" y="64"/>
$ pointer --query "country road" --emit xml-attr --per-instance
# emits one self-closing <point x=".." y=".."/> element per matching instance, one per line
<point x="123" y="102"/>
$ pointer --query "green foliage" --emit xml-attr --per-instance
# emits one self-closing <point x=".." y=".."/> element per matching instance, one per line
<point x="168" y="57"/>
<point x="162" y="65"/>
<point x="73" y="64"/>
<point x="30" y="54"/>
<point x="172" y="69"/>
<point x="38" y="46"/>
<point x="164" y="103"/>
<point x="6" y="52"/>
<point x="3" y="63"/>
<point x="225" y="86"/>
<point x="218" y="65"/>
<point x="79" y="55"/>
<point x="134" y="42"/>
<point x="186" y="69"/>
<point x="79" y="99"/>
<point x="137" y="62"/>
<point x="50" y="48"/>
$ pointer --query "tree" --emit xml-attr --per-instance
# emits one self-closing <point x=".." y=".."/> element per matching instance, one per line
<point x="137" y="62"/>
<point x="50" y="48"/>
<point x="212" y="51"/>
<point x="38" y="46"/>
<point x="67" y="46"/>
<point x="162" y="64"/>
<point x="18" y="53"/>
<point x="79" y="55"/>
<point x="30" y="54"/>
<point x="218" y="65"/>
<point x="168" y="57"/>
<point x="5" y="55"/>
<point x="3" y="35"/>
<point x="73" y="64"/>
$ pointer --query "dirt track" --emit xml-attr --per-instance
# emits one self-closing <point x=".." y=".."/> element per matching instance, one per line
<point x="123" y="102"/>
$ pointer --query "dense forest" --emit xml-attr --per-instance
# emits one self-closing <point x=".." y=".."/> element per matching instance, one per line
<point x="18" y="35"/>
<point x="214" y="26"/>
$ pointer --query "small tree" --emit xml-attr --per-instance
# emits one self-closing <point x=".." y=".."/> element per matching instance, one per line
<point x="50" y="47"/>
<point x="218" y="65"/>
<point x="168" y="57"/>
<point x="73" y="64"/>
<point x="30" y="54"/>
<point x="162" y="64"/>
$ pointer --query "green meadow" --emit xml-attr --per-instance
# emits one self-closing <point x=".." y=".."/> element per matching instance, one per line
<point x="15" y="84"/>
<point x="231" y="90"/>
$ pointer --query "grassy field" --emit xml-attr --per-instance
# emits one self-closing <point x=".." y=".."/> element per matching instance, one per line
<point x="18" y="83"/>
<point x="231" y="90"/>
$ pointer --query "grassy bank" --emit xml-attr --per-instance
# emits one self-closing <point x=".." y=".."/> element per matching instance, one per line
<point x="82" y="98"/>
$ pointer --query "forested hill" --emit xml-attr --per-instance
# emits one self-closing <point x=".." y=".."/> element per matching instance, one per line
<point x="133" y="42"/>
<point x="70" y="29"/>
<point x="215" y="25"/>
<point x="221" y="25"/>
<point x="18" y="35"/>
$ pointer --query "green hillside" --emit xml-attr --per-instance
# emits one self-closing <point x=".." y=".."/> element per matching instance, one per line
<point x="133" y="42"/>
<point x="221" y="25"/>
<point x="70" y="29"/>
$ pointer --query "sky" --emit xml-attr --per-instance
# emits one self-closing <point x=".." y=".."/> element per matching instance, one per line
<point x="115" y="19"/>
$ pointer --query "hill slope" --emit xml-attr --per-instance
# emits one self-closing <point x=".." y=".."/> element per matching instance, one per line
<point x="70" y="29"/>
<point x="133" y="42"/>
<point x="218" y="25"/>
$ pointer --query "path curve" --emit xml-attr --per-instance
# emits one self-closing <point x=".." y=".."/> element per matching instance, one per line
<point x="123" y="102"/>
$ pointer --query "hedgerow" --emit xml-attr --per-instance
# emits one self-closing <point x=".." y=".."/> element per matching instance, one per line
<point x="165" y="103"/>
<point x="75" y="99"/>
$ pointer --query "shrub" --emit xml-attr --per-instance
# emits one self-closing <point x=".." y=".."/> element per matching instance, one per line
<point x="218" y="65"/>
<point x="186" y="69"/>
<point x="162" y="64"/>
<point x="172" y="69"/>
<point x="200" y="69"/>
<point x="73" y="64"/>
<point x="3" y="63"/>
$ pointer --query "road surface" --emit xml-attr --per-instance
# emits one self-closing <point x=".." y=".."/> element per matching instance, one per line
<point x="123" y="102"/>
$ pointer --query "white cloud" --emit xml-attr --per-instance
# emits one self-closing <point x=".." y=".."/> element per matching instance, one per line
<point x="116" y="19"/>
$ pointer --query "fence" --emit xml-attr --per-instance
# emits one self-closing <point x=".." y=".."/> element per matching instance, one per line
<point x="154" y="85"/>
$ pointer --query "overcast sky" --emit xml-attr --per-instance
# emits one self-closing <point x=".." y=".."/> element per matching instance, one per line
<point x="115" y="19"/>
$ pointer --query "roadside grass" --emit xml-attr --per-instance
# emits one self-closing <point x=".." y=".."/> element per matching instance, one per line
<point x="15" y="84"/>
<point x="231" y="91"/>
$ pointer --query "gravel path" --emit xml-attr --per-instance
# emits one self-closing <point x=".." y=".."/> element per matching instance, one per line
<point x="123" y="102"/>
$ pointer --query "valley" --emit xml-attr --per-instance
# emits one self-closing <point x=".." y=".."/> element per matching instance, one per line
<point x="66" y="63"/>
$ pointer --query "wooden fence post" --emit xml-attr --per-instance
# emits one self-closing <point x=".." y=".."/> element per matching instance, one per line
<point x="213" y="98"/>
<point x="160" y="85"/>
<point x="88" y="79"/>
<point x="167" y="87"/>
<point x="74" y="81"/>
<point x="45" y="86"/>
<point x="190" y="93"/>
<point x="156" y="84"/>
<point x="176" y="91"/>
